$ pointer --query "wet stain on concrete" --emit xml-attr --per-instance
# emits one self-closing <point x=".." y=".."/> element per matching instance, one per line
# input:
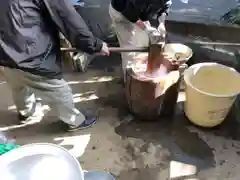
<point x="171" y="141"/>
<point x="161" y="141"/>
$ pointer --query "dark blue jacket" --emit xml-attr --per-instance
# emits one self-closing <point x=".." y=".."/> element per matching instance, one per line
<point x="29" y="34"/>
<point x="144" y="10"/>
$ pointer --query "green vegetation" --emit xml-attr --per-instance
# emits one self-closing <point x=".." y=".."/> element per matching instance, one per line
<point x="233" y="16"/>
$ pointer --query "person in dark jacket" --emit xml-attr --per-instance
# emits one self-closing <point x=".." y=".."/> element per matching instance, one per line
<point x="131" y="19"/>
<point x="30" y="55"/>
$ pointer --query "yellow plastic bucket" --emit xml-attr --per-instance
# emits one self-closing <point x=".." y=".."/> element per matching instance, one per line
<point x="211" y="90"/>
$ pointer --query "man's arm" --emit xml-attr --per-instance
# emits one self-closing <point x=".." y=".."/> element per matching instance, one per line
<point x="71" y="24"/>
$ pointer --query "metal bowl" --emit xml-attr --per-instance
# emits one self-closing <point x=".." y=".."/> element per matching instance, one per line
<point x="98" y="175"/>
<point x="179" y="52"/>
<point x="38" y="162"/>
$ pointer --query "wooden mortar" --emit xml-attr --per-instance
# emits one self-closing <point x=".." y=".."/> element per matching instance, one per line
<point x="152" y="97"/>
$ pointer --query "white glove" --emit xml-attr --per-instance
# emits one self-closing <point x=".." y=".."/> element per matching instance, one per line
<point x="104" y="51"/>
<point x="154" y="34"/>
<point x="161" y="28"/>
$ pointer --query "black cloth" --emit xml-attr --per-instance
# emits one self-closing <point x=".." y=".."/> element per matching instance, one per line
<point x="144" y="10"/>
<point x="29" y="35"/>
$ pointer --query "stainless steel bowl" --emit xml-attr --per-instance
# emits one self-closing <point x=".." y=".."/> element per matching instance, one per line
<point x="40" y="162"/>
<point x="98" y="175"/>
<point x="178" y="52"/>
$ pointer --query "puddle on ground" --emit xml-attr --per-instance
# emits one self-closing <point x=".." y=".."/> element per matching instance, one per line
<point x="166" y="135"/>
<point x="164" y="141"/>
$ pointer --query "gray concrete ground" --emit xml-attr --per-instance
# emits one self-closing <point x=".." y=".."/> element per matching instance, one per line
<point x="130" y="150"/>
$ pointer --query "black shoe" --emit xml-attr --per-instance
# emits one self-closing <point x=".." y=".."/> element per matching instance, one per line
<point x="29" y="119"/>
<point x="86" y="124"/>
<point x="21" y="117"/>
<point x="35" y="117"/>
